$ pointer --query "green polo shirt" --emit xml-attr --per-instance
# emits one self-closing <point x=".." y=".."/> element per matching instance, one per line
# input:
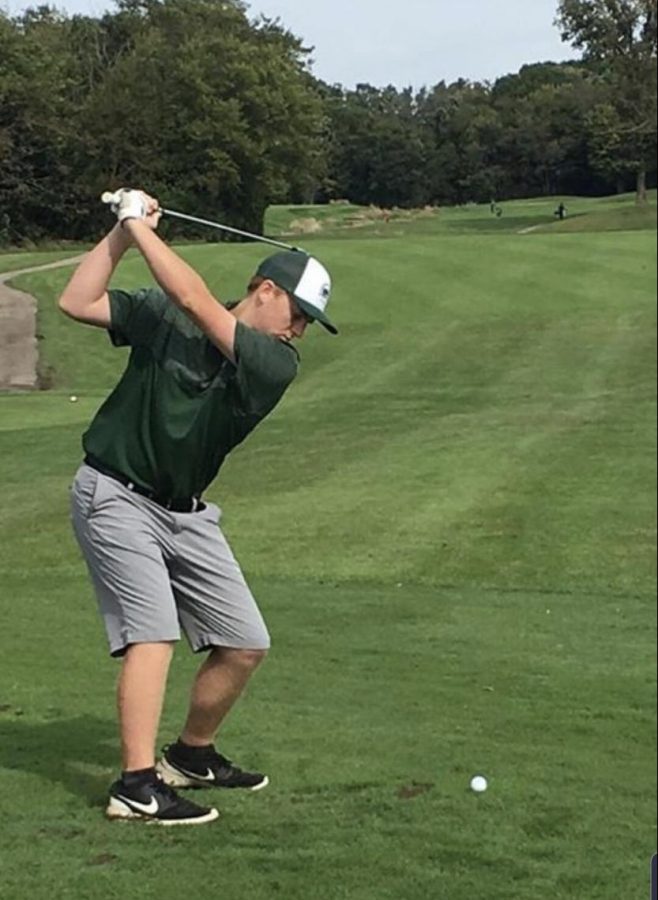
<point x="181" y="406"/>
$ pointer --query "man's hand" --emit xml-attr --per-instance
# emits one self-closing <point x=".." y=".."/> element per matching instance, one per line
<point x="129" y="204"/>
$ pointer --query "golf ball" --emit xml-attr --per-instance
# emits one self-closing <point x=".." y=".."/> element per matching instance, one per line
<point x="479" y="784"/>
<point x="73" y="399"/>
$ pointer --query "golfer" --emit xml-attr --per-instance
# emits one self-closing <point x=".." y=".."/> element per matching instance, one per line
<point x="199" y="379"/>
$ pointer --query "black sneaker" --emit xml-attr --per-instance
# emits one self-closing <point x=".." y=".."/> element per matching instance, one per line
<point x="156" y="803"/>
<point x="205" y="768"/>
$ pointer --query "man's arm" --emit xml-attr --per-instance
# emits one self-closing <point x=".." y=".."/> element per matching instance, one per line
<point x="85" y="297"/>
<point x="187" y="289"/>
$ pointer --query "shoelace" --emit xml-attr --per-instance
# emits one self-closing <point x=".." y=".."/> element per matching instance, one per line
<point x="226" y="763"/>
<point x="212" y="756"/>
<point x="222" y="762"/>
<point x="166" y="791"/>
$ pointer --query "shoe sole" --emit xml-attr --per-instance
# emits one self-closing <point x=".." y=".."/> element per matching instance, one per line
<point x="120" y="812"/>
<point x="177" y="779"/>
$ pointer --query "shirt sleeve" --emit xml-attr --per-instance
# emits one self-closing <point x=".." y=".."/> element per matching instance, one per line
<point x="266" y="366"/>
<point x="134" y="315"/>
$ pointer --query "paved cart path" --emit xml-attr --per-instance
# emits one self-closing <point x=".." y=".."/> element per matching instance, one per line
<point x="18" y="330"/>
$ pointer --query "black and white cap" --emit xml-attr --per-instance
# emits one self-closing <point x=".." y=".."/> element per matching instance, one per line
<point x="305" y="279"/>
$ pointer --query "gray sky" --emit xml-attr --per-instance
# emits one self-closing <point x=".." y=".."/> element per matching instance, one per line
<point x="417" y="42"/>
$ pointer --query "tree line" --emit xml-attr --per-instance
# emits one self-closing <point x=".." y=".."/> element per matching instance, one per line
<point x="222" y="116"/>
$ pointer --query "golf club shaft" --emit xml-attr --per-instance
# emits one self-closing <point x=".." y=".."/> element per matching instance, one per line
<point x="227" y="228"/>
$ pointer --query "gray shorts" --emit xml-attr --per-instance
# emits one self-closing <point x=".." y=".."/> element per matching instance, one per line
<point x="156" y="572"/>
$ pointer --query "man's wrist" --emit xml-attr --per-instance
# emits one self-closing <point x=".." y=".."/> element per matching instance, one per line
<point x="136" y="229"/>
<point x="121" y="238"/>
<point x="128" y="225"/>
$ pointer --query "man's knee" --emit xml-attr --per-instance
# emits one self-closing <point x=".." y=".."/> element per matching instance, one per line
<point x="248" y="660"/>
<point x="251" y="659"/>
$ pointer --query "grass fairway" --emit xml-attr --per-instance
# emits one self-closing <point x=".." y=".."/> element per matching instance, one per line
<point x="450" y="524"/>
<point x="585" y="214"/>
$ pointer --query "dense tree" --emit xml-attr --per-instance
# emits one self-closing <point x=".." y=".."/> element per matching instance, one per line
<point x="221" y="115"/>
<point x="464" y="132"/>
<point x="376" y="150"/>
<point x="37" y="131"/>
<point x="544" y="111"/>
<point x="619" y="39"/>
<point x="188" y="97"/>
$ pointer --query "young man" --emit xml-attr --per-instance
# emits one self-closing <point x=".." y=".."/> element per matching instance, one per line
<point x="199" y="379"/>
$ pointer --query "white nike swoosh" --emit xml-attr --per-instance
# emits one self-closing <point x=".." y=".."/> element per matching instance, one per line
<point x="149" y="810"/>
<point x="208" y="777"/>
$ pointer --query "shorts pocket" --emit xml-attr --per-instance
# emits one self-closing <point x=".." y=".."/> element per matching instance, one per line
<point x="212" y="513"/>
<point x="85" y="492"/>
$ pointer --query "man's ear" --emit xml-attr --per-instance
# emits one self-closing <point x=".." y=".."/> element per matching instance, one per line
<point x="266" y="291"/>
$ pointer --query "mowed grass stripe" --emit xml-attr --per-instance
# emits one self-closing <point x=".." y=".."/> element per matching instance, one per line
<point x="454" y="406"/>
<point x="457" y="423"/>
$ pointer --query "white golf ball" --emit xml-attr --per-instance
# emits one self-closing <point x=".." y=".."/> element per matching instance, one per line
<point x="73" y="399"/>
<point x="479" y="784"/>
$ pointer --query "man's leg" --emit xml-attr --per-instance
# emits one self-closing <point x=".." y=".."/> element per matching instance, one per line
<point x="122" y="538"/>
<point x="219" y="683"/>
<point x="140" y="696"/>
<point x="140" y="794"/>
<point x="193" y="761"/>
<point x="216" y="609"/>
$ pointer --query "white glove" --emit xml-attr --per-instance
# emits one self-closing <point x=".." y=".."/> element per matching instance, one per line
<point x="126" y="204"/>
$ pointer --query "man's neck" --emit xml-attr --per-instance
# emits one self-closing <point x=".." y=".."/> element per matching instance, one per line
<point x="243" y="311"/>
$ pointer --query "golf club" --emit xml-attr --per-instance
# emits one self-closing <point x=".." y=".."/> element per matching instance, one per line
<point x="109" y="197"/>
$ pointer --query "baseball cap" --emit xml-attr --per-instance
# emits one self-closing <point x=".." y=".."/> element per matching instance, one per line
<point x="305" y="279"/>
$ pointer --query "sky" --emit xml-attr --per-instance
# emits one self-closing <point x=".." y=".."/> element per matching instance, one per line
<point x="413" y="43"/>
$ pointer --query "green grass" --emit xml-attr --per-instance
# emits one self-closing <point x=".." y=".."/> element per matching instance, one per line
<point x="631" y="218"/>
<point x="450" y="525"/>
<point x="25" y="259"/>
<point x="617" y="213"/>
<point x="280" y="218"/>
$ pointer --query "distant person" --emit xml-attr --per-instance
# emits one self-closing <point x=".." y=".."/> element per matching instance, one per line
<point x="561" y="212"/>
<point x="200" y="377"/>
<point x="495" y="209"/>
